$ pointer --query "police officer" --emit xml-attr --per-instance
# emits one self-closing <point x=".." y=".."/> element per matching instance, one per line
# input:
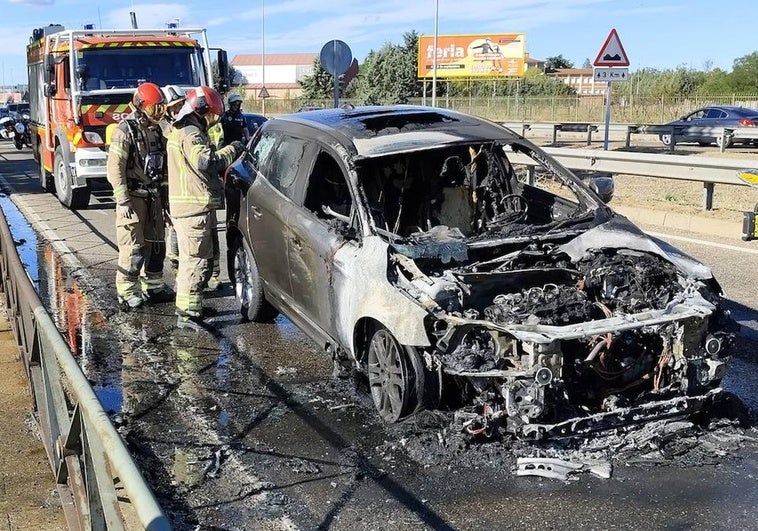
<point x="136" y="170"/>
<point x="233" y="122"/>
<point x="195" y="190"/>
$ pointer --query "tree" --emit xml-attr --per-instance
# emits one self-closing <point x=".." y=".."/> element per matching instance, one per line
<point x="317" y="86"/>
<point x="744" y="75"/>
<point x="557" y="61"/>
<point x="389" y="75"/>
<point x="587" y="63"/>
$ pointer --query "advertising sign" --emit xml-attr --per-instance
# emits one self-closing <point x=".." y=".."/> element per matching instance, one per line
<point x="484" y="55"/>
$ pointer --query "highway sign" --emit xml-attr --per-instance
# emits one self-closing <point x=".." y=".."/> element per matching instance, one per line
<point x="612" y="52"/>
<point x="611" y="74"/>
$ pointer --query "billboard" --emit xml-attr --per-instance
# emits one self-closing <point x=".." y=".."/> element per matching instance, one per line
<point x="485" y="55"/>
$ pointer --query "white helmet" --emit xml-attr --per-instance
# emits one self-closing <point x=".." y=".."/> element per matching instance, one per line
<point x="233" y="98"/>
<point x="173" y="94"/>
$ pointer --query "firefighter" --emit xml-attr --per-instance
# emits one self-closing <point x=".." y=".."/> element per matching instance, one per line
<point x="136" y="170"/>
<point x="216" y="136"/>
<point x="195" y="190"/>
<point x="233" y="122"/>
<point x="174" y="96"/>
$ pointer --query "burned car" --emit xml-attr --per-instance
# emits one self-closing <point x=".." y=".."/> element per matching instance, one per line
<point x="450" y="260"/>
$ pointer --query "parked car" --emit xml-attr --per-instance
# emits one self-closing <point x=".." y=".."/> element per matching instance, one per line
<point x="716" y="116"/>
<point x="413" y="245"/>
<point x="253" y="121"/>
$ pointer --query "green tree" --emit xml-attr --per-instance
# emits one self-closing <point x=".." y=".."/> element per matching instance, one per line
<point x="389" y="75"/>
<point x="557" y="61"/>
<point x="587" y="63"/>
<point x="317" y="86"/>
<point x="744" y="75"/>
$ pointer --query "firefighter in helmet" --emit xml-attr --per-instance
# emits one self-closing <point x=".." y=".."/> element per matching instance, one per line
<point x="195" y="190"/>
<point x="174" y="96"/>
<point x="136" y="169"/>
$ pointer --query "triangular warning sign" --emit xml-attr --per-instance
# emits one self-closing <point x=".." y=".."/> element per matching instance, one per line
<point x="264" y="93"/>
<point x="612" y="52"/>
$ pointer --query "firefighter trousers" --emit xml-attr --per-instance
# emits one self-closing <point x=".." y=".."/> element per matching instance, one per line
<point x="141" y="248"/>
<point x="195" y="253"/>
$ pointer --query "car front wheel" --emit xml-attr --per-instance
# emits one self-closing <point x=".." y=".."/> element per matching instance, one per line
<point x="665" y="140"/>
<point x="396" y="377"/>
<point x="248" y="286"/>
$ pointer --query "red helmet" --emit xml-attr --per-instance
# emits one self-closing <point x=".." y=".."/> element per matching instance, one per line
<point x="148" y="100"/>
<point x="204" y="100"/>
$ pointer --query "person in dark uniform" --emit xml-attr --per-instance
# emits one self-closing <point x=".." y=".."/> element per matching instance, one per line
<point x="233" y="123"/>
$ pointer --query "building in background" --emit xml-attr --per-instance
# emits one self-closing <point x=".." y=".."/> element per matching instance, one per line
<point x="531" y="62"/>
<point x="283" y="71"/>
<point x="581" y="80"/>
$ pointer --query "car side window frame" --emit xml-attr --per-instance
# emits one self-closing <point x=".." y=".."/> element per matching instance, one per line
<point x="356" y="222"/>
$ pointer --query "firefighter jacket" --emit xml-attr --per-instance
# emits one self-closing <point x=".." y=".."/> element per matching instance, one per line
<point x="194" y="166"/>
<point x="136" y="160"/>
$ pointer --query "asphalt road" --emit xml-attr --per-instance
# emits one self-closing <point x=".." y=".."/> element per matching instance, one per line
<point x="247" y="429"/>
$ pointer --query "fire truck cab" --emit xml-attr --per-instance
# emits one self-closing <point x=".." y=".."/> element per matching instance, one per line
<point x="80" y="81"/>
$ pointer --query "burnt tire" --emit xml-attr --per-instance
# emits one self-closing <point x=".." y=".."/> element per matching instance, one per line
<point x="248" y="286"/>
<point x="397" y="378"/>
<point x="72" y="198"/>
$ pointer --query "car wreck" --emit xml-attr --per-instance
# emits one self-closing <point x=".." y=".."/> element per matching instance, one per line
<point x="454" y="262"/>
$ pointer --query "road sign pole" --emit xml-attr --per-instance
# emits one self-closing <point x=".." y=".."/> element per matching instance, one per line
<point x="607" y="114"/>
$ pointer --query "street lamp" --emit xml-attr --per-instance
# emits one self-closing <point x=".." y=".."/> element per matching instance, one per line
<point x="434" y="60"/>
<point x="263" y="62"/>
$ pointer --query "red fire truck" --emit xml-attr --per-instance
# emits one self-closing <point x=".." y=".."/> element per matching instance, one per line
<point x="80" y="81"/>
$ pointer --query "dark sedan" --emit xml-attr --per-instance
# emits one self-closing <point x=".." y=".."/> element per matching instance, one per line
<point x="703" y="125"/>
<point x="416" y="248"/>
<point x="253" y="121"/>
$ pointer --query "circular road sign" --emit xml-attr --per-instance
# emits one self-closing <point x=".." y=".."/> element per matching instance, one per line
<point x="336" y="57"/>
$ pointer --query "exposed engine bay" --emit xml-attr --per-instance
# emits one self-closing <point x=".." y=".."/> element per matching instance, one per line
<point x="544" y="307"/>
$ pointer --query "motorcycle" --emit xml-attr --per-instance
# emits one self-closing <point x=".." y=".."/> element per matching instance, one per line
<point x="7" y="129"/>
<point x="22" y="132"/>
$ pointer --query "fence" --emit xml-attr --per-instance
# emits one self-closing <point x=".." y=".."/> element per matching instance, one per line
<point x="628" y="109"/>
<point x="99" y="484"/>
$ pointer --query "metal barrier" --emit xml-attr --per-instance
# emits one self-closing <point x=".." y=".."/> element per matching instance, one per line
<point x="709" y="171"/>
<point x="93" y="469"/>
<point x="724" y="136"/>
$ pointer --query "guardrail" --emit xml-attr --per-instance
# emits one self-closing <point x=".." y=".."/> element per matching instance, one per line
<point x="709" y="171"/>
<point x="724" y="136"/>
<point x="93" y="469"/>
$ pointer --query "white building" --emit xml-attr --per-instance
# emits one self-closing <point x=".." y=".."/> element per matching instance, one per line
<point x="282" y="70"/>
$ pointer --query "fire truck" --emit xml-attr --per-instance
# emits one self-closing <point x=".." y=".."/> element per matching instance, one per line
<point x="80" y="81"/>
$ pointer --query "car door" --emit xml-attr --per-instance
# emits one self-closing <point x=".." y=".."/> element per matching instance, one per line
<point x="323" y="246"/>
<point x="270" y="206"/>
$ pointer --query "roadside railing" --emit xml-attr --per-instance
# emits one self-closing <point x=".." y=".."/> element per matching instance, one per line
<point x="674" y="134"/>
<point x="707" y="170"/>
<point x="98" y="482"/>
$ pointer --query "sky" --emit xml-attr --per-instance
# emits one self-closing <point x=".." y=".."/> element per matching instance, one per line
<point x="660" y="34"/>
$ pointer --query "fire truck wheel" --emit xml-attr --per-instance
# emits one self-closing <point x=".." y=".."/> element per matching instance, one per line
<point x="73" y="198"/>
<point x="46" y="180"/>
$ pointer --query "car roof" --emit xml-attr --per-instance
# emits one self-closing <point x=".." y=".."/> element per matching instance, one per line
<point x="735" y="109"/>
<point x="374" y="131"/>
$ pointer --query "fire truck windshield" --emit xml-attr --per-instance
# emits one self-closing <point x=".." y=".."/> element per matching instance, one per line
<point x="119" y="68"/>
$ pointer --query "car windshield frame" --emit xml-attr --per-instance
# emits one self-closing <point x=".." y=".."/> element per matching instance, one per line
<point x="588" y="203"/>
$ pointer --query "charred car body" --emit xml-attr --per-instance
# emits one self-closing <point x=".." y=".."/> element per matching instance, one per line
<point x="450" y="259"/>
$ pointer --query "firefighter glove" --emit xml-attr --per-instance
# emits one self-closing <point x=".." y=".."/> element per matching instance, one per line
<point x="125" y="210"/>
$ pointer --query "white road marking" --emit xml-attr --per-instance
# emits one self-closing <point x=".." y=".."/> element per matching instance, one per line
<point x="663" y="236"/>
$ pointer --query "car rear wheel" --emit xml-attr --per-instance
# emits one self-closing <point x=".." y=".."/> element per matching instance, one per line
<point x="248" y="287"/>
<point x="73" y="198"/>
<point x="396" y="377"/>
